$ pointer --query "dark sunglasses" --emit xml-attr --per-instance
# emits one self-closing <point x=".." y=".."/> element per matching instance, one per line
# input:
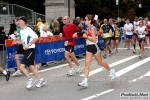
<point x="86" y="20"/>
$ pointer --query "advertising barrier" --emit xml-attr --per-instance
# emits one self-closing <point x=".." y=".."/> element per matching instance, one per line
<point x="47" y="49"/>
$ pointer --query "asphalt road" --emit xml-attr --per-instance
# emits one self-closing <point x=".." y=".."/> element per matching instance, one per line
<point x="132" y="76"/>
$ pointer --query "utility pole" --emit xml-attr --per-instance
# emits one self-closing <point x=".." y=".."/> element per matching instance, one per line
<point x="68" y="7"/>
<point x="117" y="3"/>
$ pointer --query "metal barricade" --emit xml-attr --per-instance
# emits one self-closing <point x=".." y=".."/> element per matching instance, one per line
<point x="3" y="56"/>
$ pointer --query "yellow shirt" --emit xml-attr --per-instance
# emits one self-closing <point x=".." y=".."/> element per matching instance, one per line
<point x="105" y="31"/>
<point x="46" y="24"/>
<point x="38" y="25"/>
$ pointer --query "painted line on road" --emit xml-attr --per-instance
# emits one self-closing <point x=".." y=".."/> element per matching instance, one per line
<point x="99" y="94"/>
<point x="133" y="48"/>
<point x="56" y="67"/>
<point x="131" y="67"/>
<point x="134" y="80"/>
<point x="111" y="65"/>
<point x="147" y="74"/>
<point x="121" y="72"/>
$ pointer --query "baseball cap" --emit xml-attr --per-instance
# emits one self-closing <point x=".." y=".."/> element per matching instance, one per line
<point x="22" y="18"/>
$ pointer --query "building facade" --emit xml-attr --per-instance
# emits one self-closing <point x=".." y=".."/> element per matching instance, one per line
<point x="58" y="8"/>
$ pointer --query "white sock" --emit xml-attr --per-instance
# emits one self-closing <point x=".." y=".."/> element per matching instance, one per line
<point x="71" y="68"/>
<point x="41" y="79"/>
<point x="30" y="79"/>
<point x="4" y="72"/>
<point x="85" y="79"/>
<point x="18" y="70"/>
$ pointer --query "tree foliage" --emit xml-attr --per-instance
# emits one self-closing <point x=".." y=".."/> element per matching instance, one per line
<point x="103" y="8"/>
<point x="36" y="5"/>
<point x="108" y="8"/>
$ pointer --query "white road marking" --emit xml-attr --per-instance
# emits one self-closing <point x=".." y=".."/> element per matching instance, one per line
<point x="99" y="94"/>
<point x="133" y="48"/>
<point x="134" y="80"/>
<point x="56" y="67"/>
<point x="131" y="67"/>
<point x="121" y="72"/>
<point x="111" y="65"/>
<point x="147" y="74"/>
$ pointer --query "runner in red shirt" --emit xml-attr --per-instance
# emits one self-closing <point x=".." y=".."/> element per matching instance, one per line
<point x="148" y="29"/>
<point x="69" y="30"/>
<point x="147" y="34"/>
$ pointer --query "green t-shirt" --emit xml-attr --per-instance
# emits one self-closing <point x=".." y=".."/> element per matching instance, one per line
<point x="18" y="31"/>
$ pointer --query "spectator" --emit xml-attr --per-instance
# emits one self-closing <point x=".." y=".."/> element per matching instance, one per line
<point x="46" y="32"/>
<point x="52" y="24"/>
<point x="39" y="22"/>
<point x="76" y="22"/>
<point x="61" y="24"/>
<point x="44" y="23"/>
<point x="56" y="28"/>
<point x="3" y="37"/>
<point x="12" y="27"/>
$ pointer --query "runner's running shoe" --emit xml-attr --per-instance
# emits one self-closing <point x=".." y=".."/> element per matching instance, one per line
<point x="83" y="83"/>
<point x="41" y="83"/>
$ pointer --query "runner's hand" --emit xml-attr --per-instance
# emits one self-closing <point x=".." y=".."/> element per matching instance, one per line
<point x="26" y="46"/>
<point x="74" y="35"/>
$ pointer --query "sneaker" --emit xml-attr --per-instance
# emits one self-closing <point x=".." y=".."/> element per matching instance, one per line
<point x="104" y="56"/>
<point x="79" y="70"/>
<point x="112" y="73"/>
<point x="7" y="75"/>
<point x="125" y="46"/>
<point x="30" y="83"/>
<point x="128" y="47"/>
<point x="146" y="47"/>
<point x="134" y="51"/>
<point x="141" y="56"/>
<point x="116" y="50"/>
<point x="110" y="52"/>
<point x="17" y="73"/>
<point x="37" y="67"/>
<point x="41" y="83"/>
<point x="70" y="72"/>
<point x="83" y="83"/>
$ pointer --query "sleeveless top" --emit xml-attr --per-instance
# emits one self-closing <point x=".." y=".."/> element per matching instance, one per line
<point x="89" y="34"/>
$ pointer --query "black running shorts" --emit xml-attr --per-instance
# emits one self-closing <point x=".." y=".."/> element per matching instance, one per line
<point x="69" y="48"/>
<point x="93" y="48"/>
<point x="28" y="58"/>
<point x="20" y="49"/>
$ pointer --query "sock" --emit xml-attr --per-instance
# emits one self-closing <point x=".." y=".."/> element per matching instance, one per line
<point x="30" y="79"/>
<point x="85" y="79"/>
<point x="71" y="68"/>
<point x="18" y="70"/>
<point x="134" y="45"/>
<point x="4" y="72"/>
<point x="41" y="79"/>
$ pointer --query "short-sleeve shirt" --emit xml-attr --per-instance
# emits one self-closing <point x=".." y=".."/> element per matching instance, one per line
<point x="141" y="31"/>
<point x="68" y="31"/>
<point x="128" y="29"/>
<point x="148" y="27"/>
<point x="27" y="35"/>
